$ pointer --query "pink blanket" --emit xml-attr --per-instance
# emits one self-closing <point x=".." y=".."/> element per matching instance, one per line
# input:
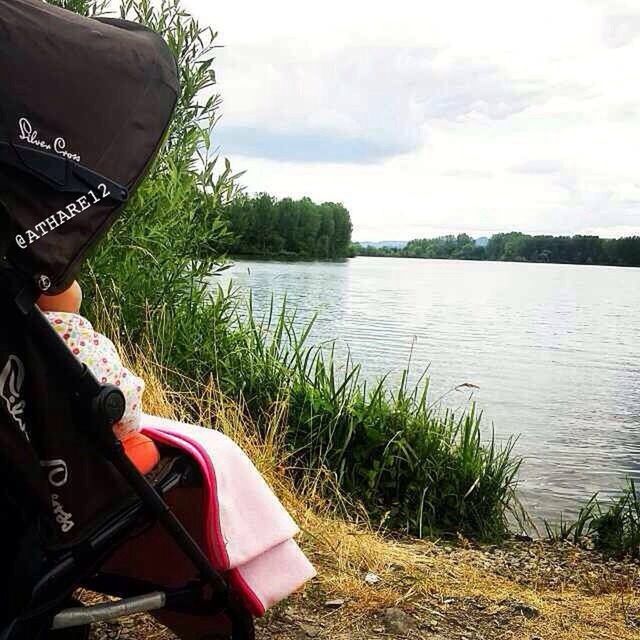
<point x="247" y="531"/>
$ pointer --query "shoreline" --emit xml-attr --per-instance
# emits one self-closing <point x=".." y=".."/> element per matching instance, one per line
<point x="302" y="259"/>
<point x="516" y="590"/>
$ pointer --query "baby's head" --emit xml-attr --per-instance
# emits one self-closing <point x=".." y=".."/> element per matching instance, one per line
<point x="68" y="301"/>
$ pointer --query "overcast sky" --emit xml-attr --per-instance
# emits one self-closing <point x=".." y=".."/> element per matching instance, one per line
<point x="428" y="117"/>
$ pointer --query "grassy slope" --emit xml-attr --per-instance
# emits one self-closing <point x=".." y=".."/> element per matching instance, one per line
<point x="533" y="590"/>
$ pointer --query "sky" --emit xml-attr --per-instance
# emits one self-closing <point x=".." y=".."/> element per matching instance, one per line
<point x="426" y="118"/>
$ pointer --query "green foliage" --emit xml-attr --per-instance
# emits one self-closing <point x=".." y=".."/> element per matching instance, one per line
<point x="519" y="247"/>
<point x="460" y="247"/>
<point x="416" y="468"/>
<point x="264" y="226"/>
<point x="154" y="269"/>
<point x="83" y="7"/>
<point x="563" y="249"/>
<point x="612" y="525"/>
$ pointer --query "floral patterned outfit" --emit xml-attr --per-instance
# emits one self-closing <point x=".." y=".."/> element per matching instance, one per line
<point x="101" y="357"/>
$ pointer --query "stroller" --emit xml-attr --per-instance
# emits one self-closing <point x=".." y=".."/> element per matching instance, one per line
<point x="85" y="104"/>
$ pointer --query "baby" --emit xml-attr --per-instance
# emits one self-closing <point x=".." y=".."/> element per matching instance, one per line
<point x="99" y="354"/>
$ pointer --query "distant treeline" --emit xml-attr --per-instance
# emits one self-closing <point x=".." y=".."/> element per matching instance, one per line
<point x="264" y="226"/>
<point x="519" y="247"/>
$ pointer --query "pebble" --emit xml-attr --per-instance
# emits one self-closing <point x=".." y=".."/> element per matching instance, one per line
<point x="397" y="621"/>
<point x="526" y="610"/>
<point x="334" y="604"/>
<point x="372" y="578"/>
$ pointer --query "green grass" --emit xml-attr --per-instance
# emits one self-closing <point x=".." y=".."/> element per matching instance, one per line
<point x="612" y="525"/>
<point x="416" y="466"/>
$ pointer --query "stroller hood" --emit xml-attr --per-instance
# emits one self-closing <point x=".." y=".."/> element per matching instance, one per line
<point x="84" y="106"/>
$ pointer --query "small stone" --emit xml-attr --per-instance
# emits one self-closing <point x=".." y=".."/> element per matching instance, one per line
<point x="334" y="604"/>
<point x="397" y="621"/>
<point x="372" y="578"/>
<point x="526" y="610"/>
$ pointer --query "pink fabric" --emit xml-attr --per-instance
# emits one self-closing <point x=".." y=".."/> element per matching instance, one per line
<point x="276" y="574"/>
<point x="247" y="530"/>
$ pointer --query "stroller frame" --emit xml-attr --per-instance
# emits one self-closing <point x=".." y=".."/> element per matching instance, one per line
<point x="103" y="406"/>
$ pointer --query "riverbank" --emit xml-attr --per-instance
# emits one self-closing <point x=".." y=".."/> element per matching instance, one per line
<point x="516" y="590"/>
<point x="285" y="257"/>
<point x="432" y="591"/>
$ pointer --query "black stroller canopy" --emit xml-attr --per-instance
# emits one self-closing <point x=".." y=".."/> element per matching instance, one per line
<point x="84" y="105"/>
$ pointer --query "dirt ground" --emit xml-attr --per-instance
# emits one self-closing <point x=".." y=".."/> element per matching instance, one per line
<point x="518" y="591"/>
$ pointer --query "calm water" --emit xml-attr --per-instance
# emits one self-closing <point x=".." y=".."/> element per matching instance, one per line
<point x="554" y="350"/>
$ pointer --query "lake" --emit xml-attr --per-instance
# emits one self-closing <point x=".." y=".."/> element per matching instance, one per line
<point x="554" y="350"/>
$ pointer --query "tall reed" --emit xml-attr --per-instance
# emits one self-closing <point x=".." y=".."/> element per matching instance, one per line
<point x="416" y="466"/>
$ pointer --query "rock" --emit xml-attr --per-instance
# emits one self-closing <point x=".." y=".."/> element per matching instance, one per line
<point x="334" y="604"/>
<point x="397" y="621"/>
<point x="526" y="610"/>
<point x="522" y="538"/>
<point x="372" y="578"/>
<point x="587" y="543"/>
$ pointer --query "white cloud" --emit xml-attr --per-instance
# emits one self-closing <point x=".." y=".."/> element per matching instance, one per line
<point x="431" y="117"/>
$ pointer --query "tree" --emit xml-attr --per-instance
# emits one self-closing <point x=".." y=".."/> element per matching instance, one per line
<point x="264" y="226"/>
<point x="516" y="246"/>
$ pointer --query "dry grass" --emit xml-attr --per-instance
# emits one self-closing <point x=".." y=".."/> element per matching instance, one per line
<point x="456" y="588"/>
